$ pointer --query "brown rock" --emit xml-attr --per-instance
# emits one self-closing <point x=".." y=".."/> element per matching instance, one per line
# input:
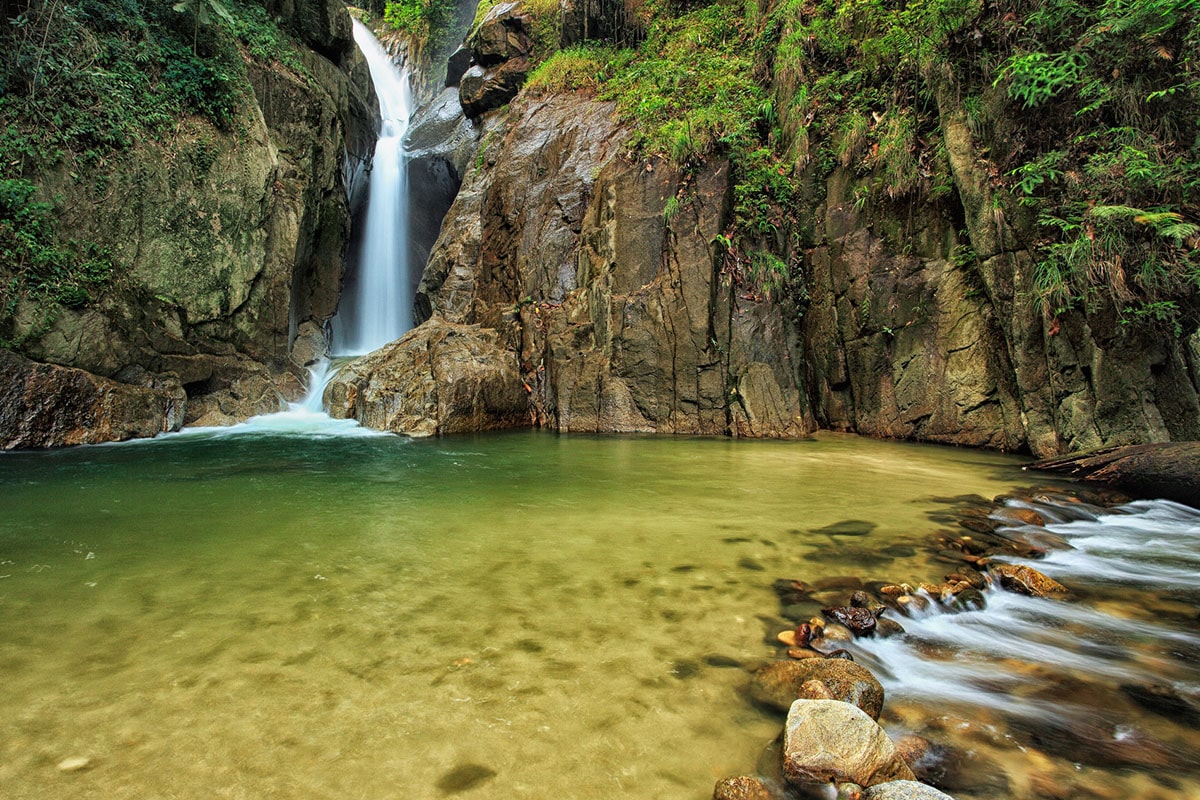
<point x="1026" y="580"/>
<point x="779" y="683"/>
<point x="439" y="378"/>
<point x="44" y="405"/>
<point x="859" y="620"/>
<point x="743" y="787"/>
<point x="904" y="790"/>
<point x="826" y="740"/>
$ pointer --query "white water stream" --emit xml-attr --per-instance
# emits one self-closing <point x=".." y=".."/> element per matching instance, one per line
<point x="1070" y="672"/>
<point x="379" y="309"/>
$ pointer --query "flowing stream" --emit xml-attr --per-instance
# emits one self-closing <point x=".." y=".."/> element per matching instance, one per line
<point x="377" y="308"/>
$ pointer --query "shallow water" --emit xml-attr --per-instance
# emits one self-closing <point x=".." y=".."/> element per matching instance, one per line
<point x="295" y="614"/>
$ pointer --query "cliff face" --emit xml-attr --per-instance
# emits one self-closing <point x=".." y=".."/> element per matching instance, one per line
<point x="615" y="317"/>
<point x="229" y="239"/>
<point x="924" y="324"/>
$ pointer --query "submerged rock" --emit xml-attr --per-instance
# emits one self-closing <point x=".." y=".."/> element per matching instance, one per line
<point x="742" y="787"/>
<point x="904" y="790"/>
<point x="779" y="683"/>
<point x="827" y="740"/>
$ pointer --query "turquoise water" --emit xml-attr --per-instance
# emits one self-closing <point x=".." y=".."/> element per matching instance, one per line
<point x="512" y="615"/>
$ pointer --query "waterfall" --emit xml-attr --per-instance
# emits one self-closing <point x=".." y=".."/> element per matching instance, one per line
<point x="377" y="306"/>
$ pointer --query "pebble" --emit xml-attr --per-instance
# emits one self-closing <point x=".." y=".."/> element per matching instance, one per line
<point x="74" y="764"/>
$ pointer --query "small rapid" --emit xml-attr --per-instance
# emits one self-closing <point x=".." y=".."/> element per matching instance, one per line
<point x="304" y="418"/>
<point x="1109" y="676"/>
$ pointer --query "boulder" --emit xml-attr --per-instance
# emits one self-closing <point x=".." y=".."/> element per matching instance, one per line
<point x="779" y="683"/>
<point x="504" y="33"/>
<point x="439" y="378"/>
<point x="457" y="64"/>
<point x="483" y="89"/>
<point x="904" y="790"/>
<point x="827" y="740"/>
<point x="1027" y="580"/>
<point x="45" y="405"/>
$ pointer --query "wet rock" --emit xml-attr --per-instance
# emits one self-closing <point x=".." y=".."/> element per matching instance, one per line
<point x="1028" y="581"/>
<point x="742" y="787"/>
<point x="1165" y="469"/>
<point x="45" y="405"/>
<point x="972" y="577"/>
<point x="859" y="620"/>
<point x="967" y="599"/>
<point x="842" y="654"/>
<point x="779" y="683"/>
<point x="814" y="690"/>
<point x="827" y="740"/>
<point x="904" y="790"/>
<point x="803" y="652"/>
<point x="1020" y="516"/>
<point x="912" y="603"/>
<point x="457" y="64"/>
<point x="927" y="760"/>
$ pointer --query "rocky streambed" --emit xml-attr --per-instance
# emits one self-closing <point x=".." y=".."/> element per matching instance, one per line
<point x="1003" y="681"/>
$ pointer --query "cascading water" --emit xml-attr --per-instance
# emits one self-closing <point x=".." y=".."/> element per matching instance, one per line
<point x="378" y="309"/>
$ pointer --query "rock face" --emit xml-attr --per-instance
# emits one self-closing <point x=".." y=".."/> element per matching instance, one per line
<point x="1165" y="469"/>
<point x="924" y="325"/>
<point x="229" y="241"/>
<point x="779" y="683"/>
<point x="501" y="47"/>
<point x="43" y="405"/>
<point x="621" y="318"/>
<point x="827" y="740"/>
<point x="439" y="378"/>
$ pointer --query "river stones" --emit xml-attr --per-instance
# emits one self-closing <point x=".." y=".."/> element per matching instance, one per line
<point x="742" y="787"/>
<point x="827" y="740"/>
<point x="904" y="790"/>
<point x="860" y="621"/>
<point x="779" y="683"/>
<point x="1027" y="580"/>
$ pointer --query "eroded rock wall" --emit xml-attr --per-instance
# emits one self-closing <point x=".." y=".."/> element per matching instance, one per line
<point x="924" y="324"/>
<point x="229" y="242"/>
<point x="617" y="318"/>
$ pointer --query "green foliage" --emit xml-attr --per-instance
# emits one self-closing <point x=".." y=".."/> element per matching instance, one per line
<point x="37" y="265"/>
<point x="427" y="19"/>
<point x="582" y="67"/>
<point x="1112" y="163"/>
<point x="82" y="80"/>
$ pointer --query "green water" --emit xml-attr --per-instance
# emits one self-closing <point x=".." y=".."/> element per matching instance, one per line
<point x="517" y="615"/>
